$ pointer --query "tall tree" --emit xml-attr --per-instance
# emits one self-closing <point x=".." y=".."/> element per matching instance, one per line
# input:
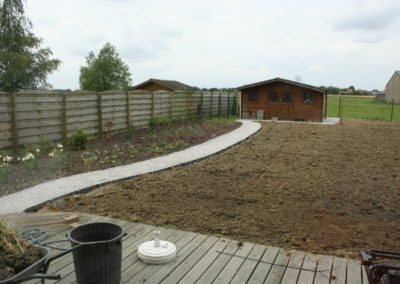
<point x="105" y="72"/>
<point x="23" y="64"/>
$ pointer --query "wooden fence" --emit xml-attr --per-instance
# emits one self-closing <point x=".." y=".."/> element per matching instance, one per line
<point x="28" y="117"/>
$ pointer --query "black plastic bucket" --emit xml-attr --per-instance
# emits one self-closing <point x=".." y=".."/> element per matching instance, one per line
<point x="98" y="260"/>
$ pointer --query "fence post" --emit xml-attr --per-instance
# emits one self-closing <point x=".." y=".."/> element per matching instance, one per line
<point x="170" y="106"/>
<point x="152" y="104"/>
<point x="211" y="104"/>
<point x="202" y="104"/>
<point x="227" y="110"/>
<point x="219" y="105"/>
<point x="188" y="96"/>
<point x="128" y="111"/>
<point x="391" y="114"/>
<point x="341" y="109"/>
<point x="64" y="120"/>
<point x="14" y="127"/>
<point x="100" y="110"/>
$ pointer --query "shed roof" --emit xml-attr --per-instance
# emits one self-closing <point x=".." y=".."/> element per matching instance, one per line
<point x="283" y="81"/>
<point x="175" y="85"/>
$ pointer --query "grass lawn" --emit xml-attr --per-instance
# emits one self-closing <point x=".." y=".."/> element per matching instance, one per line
<point x="363" y="108"/>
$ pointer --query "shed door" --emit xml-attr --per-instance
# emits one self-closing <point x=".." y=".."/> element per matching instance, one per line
<point x="286" y="106"/>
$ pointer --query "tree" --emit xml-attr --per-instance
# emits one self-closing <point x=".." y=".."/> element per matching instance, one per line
<point x="23" y="64"/>
<point x="105" y="72"/>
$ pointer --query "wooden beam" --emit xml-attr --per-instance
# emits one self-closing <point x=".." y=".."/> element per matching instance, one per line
<point x="14" y="126"/>
<point x="64" y="120"/>
<point x="100" y="112"/>
<point x="152" y="104"/>
<point x="219" y="105"/>
<point x="128" y="111"/>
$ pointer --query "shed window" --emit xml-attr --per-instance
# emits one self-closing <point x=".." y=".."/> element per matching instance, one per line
<point x="273" y="97"/>
<point x="287" y="98"/>
<point x="252" y="96"/>
<point x="308" y="98"/>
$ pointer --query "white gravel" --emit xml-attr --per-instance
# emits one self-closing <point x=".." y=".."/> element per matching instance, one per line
<point x="51" y="190"/>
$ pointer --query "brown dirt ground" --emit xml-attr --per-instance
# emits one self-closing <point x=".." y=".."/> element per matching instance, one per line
<point x="113" y="150"/>
<point x="11" y="263"/>
<point x="318" y="188"/>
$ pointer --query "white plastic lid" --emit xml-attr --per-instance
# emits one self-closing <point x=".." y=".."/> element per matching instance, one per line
<point x="151" y="254"/>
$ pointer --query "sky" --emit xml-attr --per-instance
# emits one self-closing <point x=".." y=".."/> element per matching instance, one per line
<point x="226" y="43"/>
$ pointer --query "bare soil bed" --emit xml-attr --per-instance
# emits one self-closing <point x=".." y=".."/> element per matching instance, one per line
<point x="319" y="188"/>
<point x="12" y="263"/>
<point x="110" y="151"/>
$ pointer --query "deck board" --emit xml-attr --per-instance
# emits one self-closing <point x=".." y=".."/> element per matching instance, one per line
<point x="234" y="264"/>
<point x="249" y="264"/>
<point x="278" y="268"/>
<point x="294" y="266"/>
<point x="179" y="272"/>
<point x="324" y="269"/>
<point x="264" y="266"/>
<point x="198" y="269"/>
<point x="219" y="263"/>
<point x="200" y="258"/>
<point x="307" y="272"/>
<point x="338" y="271"/>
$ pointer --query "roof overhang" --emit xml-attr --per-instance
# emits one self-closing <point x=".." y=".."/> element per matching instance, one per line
<point x="151" y="81"/>
<point x="281" y="81"/>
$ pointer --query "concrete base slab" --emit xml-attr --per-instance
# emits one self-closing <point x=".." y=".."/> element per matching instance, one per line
<point x="326" y="121"/>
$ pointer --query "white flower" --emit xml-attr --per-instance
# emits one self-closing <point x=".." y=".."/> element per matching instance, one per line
<point x="59" y="146"/>
<point x="51" y="154"/>
<point x="7" y="159"/>
<point x="28" y="157"/>
<point x="37" y="150"/>
<point x="61" y="150"/>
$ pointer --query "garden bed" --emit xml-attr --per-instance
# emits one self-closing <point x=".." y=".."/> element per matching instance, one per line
<point x="319" y="188"/>
<point x="51" y="161"/>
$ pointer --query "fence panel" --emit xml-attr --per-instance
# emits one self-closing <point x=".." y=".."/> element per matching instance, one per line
<point x="5" y="120"/>
<point x="82" y="112"/>
<point x="38" y="117"/>
<point x="50" y="116"/>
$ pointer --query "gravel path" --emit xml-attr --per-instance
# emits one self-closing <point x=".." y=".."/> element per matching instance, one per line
<point x="54" y="189"/>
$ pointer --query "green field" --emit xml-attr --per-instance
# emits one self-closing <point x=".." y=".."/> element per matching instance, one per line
<point x="363" y="108"/>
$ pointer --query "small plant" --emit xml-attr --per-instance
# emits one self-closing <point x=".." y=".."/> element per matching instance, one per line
<point x="181" y="144"/>
<point x="130" y="131"/>
<point x="79" y="140"/>
<point x="4" y="173"/>
<point x="161" y="148"/>
<point x="44" y="144"/>
<point x="89" y="160"/>
<point x="153" y="122"/>
<point x="59" y="159"/>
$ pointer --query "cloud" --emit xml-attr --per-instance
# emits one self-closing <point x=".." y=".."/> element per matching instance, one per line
<point x="368" y="22"/>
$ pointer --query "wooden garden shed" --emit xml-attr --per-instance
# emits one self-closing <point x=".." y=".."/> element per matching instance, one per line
<point x="281" y="99"/>
<point x="153" y="85"/>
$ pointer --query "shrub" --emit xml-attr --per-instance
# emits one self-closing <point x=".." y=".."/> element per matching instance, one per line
<point x="153" y="122"/>
<point x="79" y="140"/>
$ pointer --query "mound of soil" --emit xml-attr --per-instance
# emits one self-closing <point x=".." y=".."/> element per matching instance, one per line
<point x="331" y="189"/>
<point x="12" y="263"/>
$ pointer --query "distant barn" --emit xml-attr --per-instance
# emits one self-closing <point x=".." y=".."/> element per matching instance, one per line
<point x="392" y="90"/>
<point x="284" y="100"/>
<point x="153" y="85"/>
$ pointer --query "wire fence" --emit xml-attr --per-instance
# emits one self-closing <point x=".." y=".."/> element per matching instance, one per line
<point x="362" y="108"/>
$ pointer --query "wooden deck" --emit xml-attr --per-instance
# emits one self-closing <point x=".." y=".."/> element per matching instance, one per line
<point x="200" y="258"/>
